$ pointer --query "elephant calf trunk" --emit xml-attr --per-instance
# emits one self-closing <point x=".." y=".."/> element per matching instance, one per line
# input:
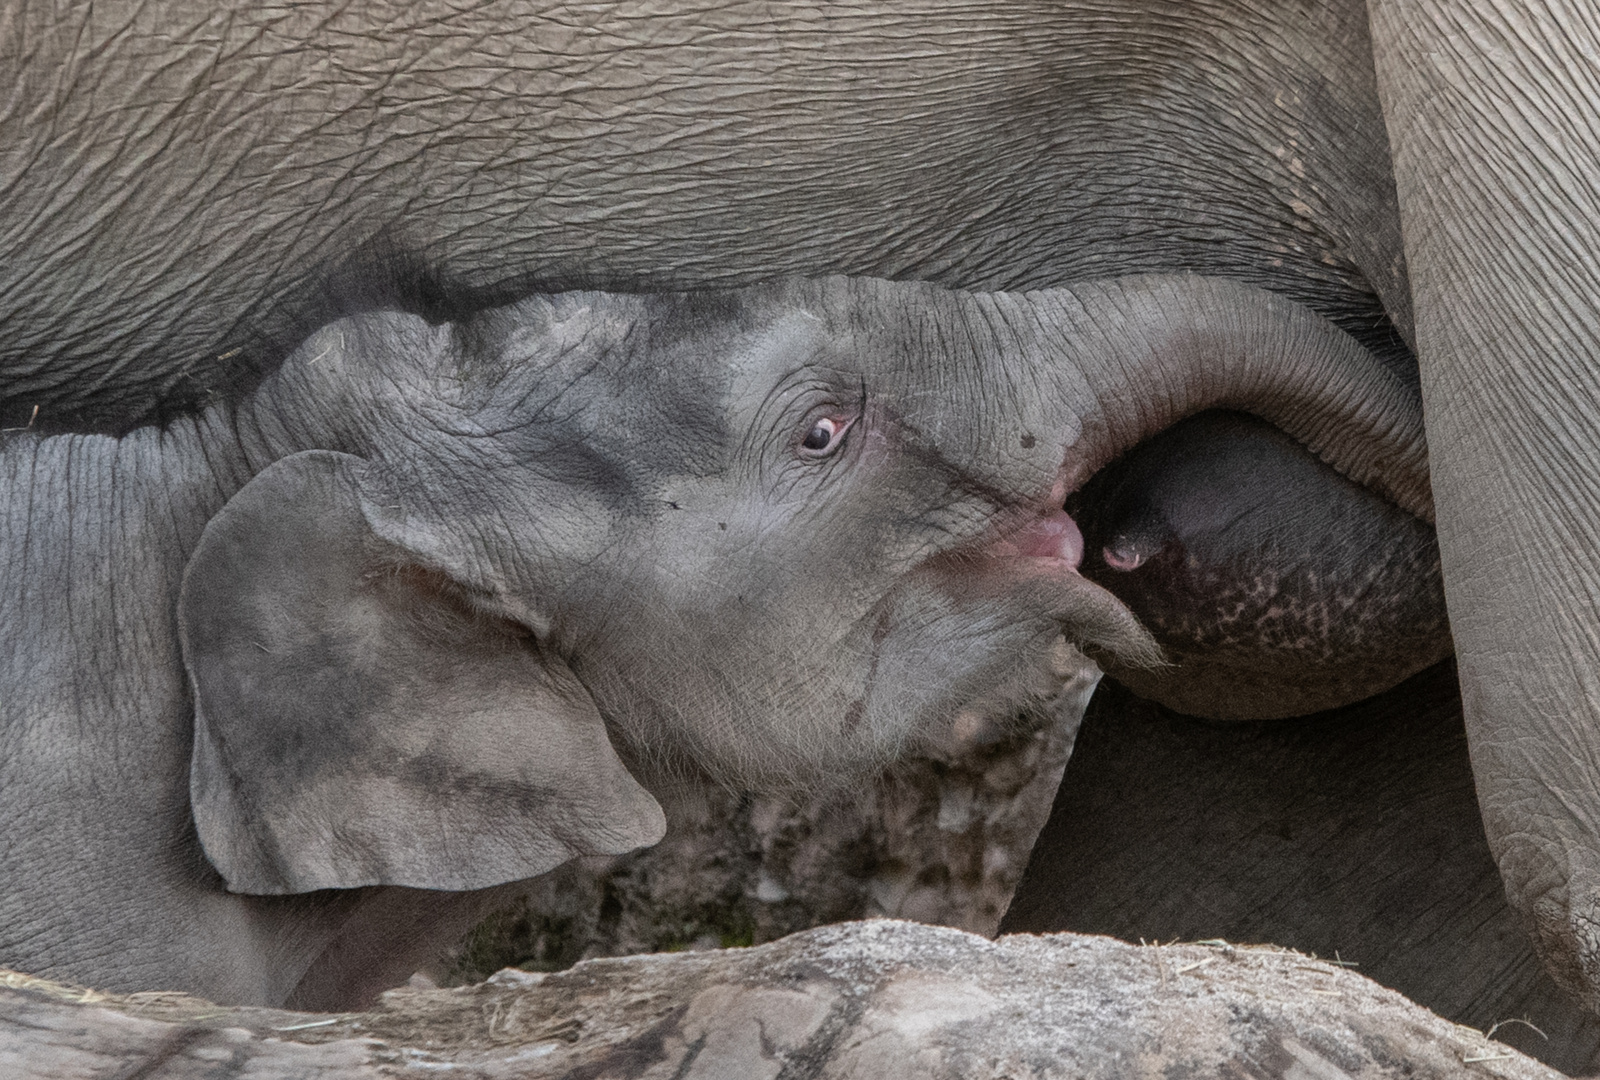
<point x="1155" y="350"/>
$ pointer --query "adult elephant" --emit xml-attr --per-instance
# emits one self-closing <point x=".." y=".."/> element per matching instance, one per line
<point x="190" y="192"/>
<point x="190" y="195"/>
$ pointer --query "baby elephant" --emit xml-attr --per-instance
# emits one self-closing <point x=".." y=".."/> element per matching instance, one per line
<point x="290" y="688"/>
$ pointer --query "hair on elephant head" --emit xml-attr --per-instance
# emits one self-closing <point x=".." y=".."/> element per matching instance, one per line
<point x="786" y="531"/>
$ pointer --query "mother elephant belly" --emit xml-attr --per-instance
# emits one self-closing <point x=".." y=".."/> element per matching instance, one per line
<point x="213" y="181"/>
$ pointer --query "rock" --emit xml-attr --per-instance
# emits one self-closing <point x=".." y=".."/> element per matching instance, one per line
<point x="882" y="1000"/>
<point x="942" y="837"/>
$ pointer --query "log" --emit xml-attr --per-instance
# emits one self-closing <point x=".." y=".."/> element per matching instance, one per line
<point x="878" y="1000"/>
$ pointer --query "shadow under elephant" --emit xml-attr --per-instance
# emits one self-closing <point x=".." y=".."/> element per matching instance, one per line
<point x="1353" y="834"/>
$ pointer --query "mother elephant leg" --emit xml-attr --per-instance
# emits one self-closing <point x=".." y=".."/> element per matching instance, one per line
<point x="1490" y="106"/>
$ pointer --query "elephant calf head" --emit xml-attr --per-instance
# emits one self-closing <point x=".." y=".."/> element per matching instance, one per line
<point x="784" y="532"/>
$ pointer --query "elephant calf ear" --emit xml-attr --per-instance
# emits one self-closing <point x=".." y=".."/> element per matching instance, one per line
<point x="357" y="723"/>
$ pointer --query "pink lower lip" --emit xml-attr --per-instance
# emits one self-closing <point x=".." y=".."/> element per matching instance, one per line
<point x="1053" y="536"/>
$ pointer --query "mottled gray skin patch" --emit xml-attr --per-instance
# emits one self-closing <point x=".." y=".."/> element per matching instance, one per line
<point x="1275" y="585"/>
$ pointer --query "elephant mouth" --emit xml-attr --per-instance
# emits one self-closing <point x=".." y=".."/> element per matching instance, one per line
<point x="1027" y="565"/>
<point x="1052" y="541"/>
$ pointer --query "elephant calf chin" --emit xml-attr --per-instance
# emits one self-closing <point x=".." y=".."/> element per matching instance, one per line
<point x="1274" y="585"/>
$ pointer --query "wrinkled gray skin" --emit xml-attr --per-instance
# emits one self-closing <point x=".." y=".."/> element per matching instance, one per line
<point x="1490" y="109"/>
<point x="417" y="576"/>
<point x="189" y="196"/>
<point x="192" y="190"/>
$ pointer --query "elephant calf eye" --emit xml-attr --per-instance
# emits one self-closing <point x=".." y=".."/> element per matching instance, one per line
<point x="823" y="437"/>
<point x="820" y="435"/>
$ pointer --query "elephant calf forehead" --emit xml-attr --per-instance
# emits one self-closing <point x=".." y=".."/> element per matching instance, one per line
<point x="605" y="388"/>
